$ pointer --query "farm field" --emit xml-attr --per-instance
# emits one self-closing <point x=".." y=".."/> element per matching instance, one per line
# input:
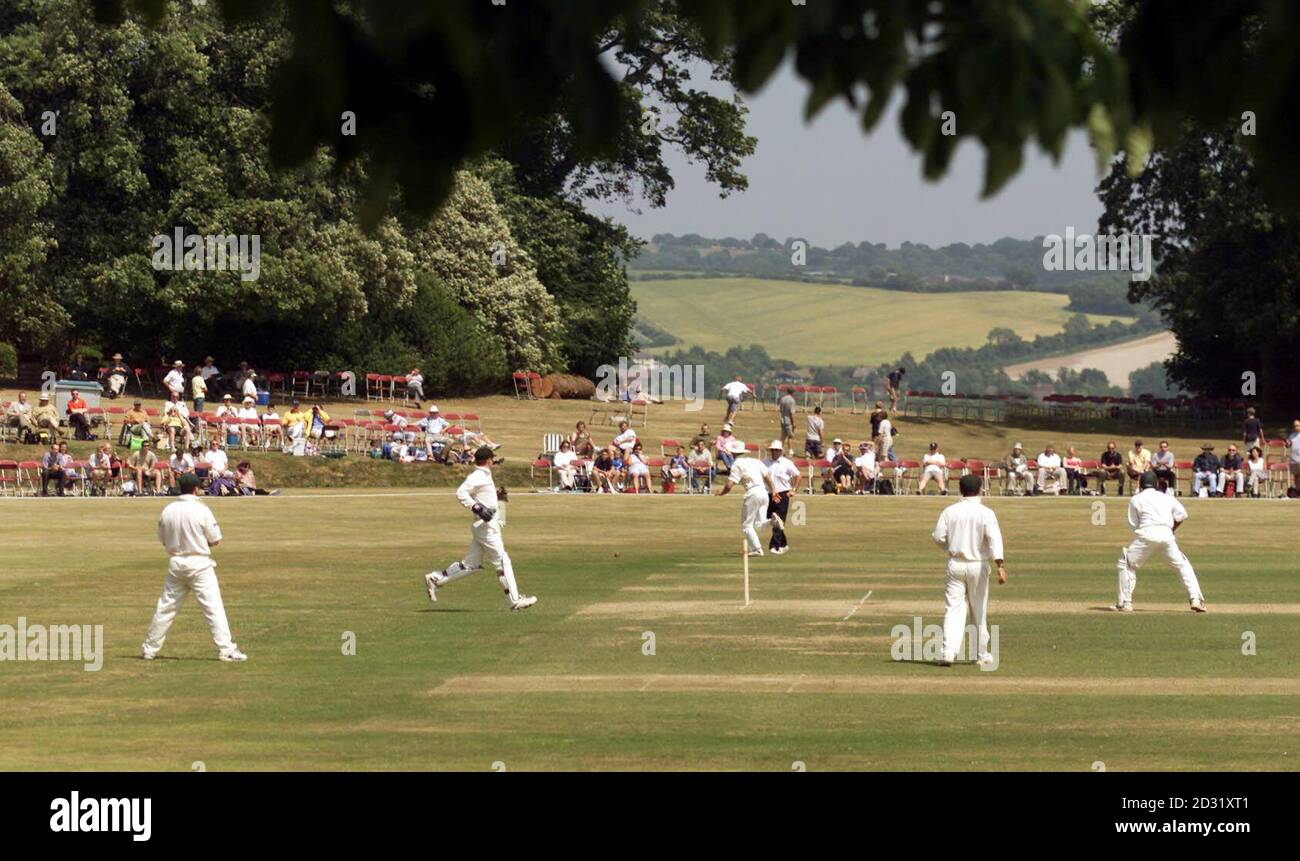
<point x="804" y="675"/>
<point x="1117" y="361"/>
<point x="822" y="324"/>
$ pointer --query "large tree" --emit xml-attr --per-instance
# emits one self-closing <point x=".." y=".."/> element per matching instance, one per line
<point x="1228" y="255"/>
<point x="434" y="82"/>
<point x="165" y="127"/>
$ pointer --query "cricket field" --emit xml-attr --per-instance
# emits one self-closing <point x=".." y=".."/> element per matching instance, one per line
<point x="640" y="655"/>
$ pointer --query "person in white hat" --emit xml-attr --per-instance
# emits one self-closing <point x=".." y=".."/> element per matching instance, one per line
<point x="786" y="478"/>
<point x="118" y="373"/>
<point x="755" y="478"/>
<point x="175" y="379"/>
<point x="1019" y="478"/>
<point x="437" y="442"/>
<point x="44" y="417"/>
<point x="250" y="424"/>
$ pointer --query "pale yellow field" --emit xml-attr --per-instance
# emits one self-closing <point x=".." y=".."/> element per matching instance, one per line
<point x="826" y="324"/>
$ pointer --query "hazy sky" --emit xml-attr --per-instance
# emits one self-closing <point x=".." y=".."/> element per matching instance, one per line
<point x="829" y="183"/>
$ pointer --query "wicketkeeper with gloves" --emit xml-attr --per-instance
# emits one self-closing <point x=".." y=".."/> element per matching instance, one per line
<point x="478" y="493"/>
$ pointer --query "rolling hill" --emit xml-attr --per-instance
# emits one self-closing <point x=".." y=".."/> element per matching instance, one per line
<point x="823" y="324"/>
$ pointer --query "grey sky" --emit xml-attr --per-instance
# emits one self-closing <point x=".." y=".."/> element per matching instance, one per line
<point x="829" y="183"/>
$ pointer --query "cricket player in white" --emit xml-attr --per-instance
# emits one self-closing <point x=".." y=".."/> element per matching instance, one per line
<point x="1154" y="517"/>
<point x="969" y="532"/>
<point x="478" y="493"/>
<point x="757" y="482"/>
<point x="189" y="531"/>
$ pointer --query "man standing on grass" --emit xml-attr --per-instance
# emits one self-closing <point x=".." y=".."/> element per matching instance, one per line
<point x="968" y="531"/>
<point x="787" y="406"/>
<point x="1154" y="518"/>
<point x="189" y="531"/>
<point x="478" y="493"/>
<point x="756" y="479"/>
<point x="786" y="478"/>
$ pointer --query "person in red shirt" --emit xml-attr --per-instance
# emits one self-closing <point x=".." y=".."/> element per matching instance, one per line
<point x="78" y="420"/>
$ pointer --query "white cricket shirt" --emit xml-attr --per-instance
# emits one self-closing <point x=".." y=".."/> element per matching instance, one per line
<point x="969" y="531"/>
<point x="748" y="473"/>
<point x="187" y="527"/>
<point x="1151" y="509"/>
<point x="478" y="487"/>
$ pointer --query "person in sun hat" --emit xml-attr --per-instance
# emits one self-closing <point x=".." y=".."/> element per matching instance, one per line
<point x="118" y="374"/>
<point x="786" y="478"/>
<point x="756" y="480"/>
<point x="1019" y="479"/>
<point x="1205" y="470"/>
<point x="175" y="379"/>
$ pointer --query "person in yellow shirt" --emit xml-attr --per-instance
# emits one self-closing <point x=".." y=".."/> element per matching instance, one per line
<point x="296" y="422"/>
<point x="319" y="422"/>
<point x="1138" y="461"/>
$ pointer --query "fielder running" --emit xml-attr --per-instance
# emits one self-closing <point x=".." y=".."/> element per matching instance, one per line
<point x="969" y="532"/>
<point x="1154" y="516"/>
<point x="786" y="478"/>
<point x="478" y="493"/>
<point x="757" y="481"/>
<point x="189" y="531"/>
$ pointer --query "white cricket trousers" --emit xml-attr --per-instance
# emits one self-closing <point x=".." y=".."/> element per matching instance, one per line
<point x="1160" y="542"/>
<point x="486" y="541"/>
<point x="186" y="574"/>
<point x="753" y="514"/>
<point x="966" y="594"/>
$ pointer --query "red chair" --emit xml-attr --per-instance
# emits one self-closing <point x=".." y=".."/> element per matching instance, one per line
<point x="373" y="390"/>
<point x="301" y="387"/>
<point x="9" y="477"/>
<point x="668" y="446"/>
<point x="541" y="463"/>
<point x="520" y="380"/>
<point x="467" y="418"/>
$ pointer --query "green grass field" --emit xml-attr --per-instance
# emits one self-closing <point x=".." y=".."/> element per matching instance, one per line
<point x="803" y="675"/>
<point x="822" y="324"/>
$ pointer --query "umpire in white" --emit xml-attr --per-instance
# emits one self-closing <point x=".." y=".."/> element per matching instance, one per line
<point x="189" y="531"/>
<point x="969" y="533"/>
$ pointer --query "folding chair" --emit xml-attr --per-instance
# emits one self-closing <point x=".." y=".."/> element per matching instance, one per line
<point x="320" y="384"/>
<point x="301" y="386"/>
<point x="1279" y="479"/>
<point x="905" y="472"/>
<point x="143" y="378"/>
<point x="9" y="477"/>
<point x="520" y="380"/>
<point x="472" y="418"/>
<point x="551" y="443"/>
<point x="668" y="447"/>
<point x="29" y="471"/>
<point x="541" y="463"/>
<point x="834" y="395"/>
<point x="396" y="383"/>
